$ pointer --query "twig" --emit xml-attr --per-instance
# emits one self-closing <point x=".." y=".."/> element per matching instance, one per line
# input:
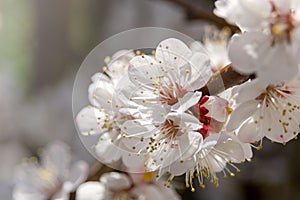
<point x="195" y="12"/>
<point x="224" y="79"/>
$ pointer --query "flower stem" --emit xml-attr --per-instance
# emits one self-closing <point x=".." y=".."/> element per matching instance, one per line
<point x="224" y="79"/>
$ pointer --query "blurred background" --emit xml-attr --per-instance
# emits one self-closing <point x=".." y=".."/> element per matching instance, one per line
<point x="43" y="43"/>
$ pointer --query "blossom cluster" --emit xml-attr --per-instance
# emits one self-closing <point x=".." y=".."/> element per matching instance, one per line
<point x="152" y="114"/>
<point x="155" y="117"/>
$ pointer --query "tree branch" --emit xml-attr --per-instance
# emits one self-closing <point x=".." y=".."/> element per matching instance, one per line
<point x="224" y="79"/>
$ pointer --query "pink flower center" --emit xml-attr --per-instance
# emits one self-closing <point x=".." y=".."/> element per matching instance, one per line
<point x="171" y="94"/>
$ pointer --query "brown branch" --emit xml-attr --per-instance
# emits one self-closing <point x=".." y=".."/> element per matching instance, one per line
<point x="195" y="12"/>
<point x="224" y="79"/>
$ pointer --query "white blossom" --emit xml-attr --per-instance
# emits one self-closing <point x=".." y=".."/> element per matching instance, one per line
<point x="102" y="117"/>
<point x="53" y="178"/>
<point x="175" y="139"/>
<point x="167" y="81"/>
<point x="269" y="44"/>
<point x="270" y="111"/>
<point x="218" y="150"/>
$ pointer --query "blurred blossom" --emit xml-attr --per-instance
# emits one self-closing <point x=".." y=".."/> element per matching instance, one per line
<point x="117" y="186"/>
<point x="215" y="42"/>
<point x="53" y="178"/>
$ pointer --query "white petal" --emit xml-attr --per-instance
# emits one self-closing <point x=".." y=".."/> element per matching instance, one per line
<point x="217" y="108"/>
<point x="210" y="142"/>
<point x="91" y="191"/>
<point x="155" y="113"/>
<point x="137" y="128"/>
<point x="185" y="121"/>
<point x="240" y="114"/>
<point x="115" y="181"/>
<point x="187" y="101"/>
<point x="173" y="52"/>
<point x="246" y="50"/>
<point x="178" y="168"/>
<point x="251" y="90"/>
<point x="200" y="71"/>
<point x="248" y="132"/>
<point x="246" y="146"/>
<point x="233" y="151"/>
<point x="134" y="162"/>
<point x="100" y="77"/>
<point x="181" y="150"/>
<point x="248" y="14"/>
<point x="101" y="91"/>
<point x="143" y="70"/>
<point x="280" y="62"/>
<point x="108" y="149"/>
<point x="118" y="66"/>
<point x="91" y="120"/>
<point x="277" y="131"/>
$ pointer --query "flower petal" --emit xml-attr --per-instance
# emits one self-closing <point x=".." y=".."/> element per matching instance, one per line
<point x="91" y="120"/>
<point x="246" y="49"/>
<point x="101" y="91"/>
<point x="180" y="150"/>
<point x="115" y="181"/>
<point x="241" y="11"/>
<point x="185" y="121"/>
<point x="107" y="148"/>
<point x="240" y="114"/>
<point x="91" y="190"/>
<point x="217" y="108"/>
<point x="144" y="70"/>
<point x="133" y="161"/>
<point x="280" y="62"/>
<point x="250" y="90"/>
<point x="233" y="151"/>
<point x="200" y="71"/>
<point x="173" y="53"/>
<point x="248" y="132"/>
<point x="187" y="101"/>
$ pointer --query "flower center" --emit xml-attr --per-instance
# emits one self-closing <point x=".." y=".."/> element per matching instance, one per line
<point x="284" y="102"/>
<point x="170" y="94"/>
<point x="169" y="129"/>
<point x="282" y="24"/>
